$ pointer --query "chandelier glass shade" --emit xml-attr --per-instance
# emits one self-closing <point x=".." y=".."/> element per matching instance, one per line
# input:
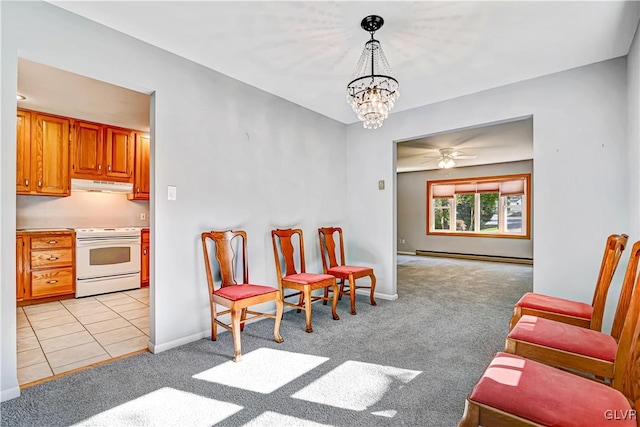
<point x="373" y="90"/>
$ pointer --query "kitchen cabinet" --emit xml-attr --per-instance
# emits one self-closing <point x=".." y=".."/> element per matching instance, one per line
<point x="141" y="170"/>
<point x="87" y="150"/>
<point x="144" y="262"/>
<point x="23" y="142"/>
<point x="102" y="152"/>
<point x="119" y="154"/>
<point x="42" y="154"/>
<point x="46" y="265"/>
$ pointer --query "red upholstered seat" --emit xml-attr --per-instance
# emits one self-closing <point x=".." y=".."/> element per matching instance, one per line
<point x="307" y="278"/>
<point x="549" y="396"/>
<point x="555" y="305"/>
<point x="238" y="292"/>
<point x="343" y="271"/>
<point x="562" y="336"/>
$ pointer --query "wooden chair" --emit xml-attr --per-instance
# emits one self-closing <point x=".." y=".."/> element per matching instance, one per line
<point x="580" y="349"/>
<point x="237" y="297"/>
<point x="574" y="312"/>
<point x="515" y="391"/>
<point x="285" y="242"/>
<point x="342" y="272"/>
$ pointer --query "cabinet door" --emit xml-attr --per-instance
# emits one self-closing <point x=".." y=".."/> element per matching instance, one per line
<point x="144" y="262"/>
<point x="119" y="154"/>
<point x="50" y="154"/>
<point x="87" y="150"/>
<point x="141" y="172"/>
<point x="23" y="142"/>
<point x="20" y="268"/>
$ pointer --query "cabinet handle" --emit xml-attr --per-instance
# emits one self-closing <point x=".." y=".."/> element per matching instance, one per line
<point x="26" y="182"/>
<point x="137" y="189"/>
<point x="99" y="167"/>
<point x="145" y="251"/>
<point x="39" y="183"/>
<point x="52" y="242"/>
<point x="52" y="281"/>
<point x="53" y="258"/>
<point x="109" y="168"/>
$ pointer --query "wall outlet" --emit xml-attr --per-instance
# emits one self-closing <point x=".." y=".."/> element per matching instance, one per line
<point x="381" y="184"/>
<point x="143" y="216"/>
<point x="402" y="241"/>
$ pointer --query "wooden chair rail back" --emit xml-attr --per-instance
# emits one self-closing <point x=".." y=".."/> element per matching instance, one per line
<point x="226" y="255"/>
<point x="626" y="371"/>
<point x="616" y="244"/>
<point x="284" y="248"/>
<point x="328" y="247"/>
<point x="624" y="300"/>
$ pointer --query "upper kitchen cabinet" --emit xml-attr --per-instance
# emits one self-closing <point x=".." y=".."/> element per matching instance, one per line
<point x="87" y="150"/>
<point x="23" y="134"/>
<point x="43" y="155"/>
<point x="141" y="170"/>
<point x="120" y="149"/>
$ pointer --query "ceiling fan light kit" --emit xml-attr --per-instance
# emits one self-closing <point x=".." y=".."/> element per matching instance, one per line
<point x="373" y="90"/>
<point x="448" y="156"/>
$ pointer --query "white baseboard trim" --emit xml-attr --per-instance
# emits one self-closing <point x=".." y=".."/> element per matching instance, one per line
<point x="405" y="253"/>
<point x="10" y="393"/>
<point x="155" y="349"/>
<point x="377" y="295"/>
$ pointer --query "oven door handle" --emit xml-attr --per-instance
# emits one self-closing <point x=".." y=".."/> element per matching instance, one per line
<point x="81" y="243"/>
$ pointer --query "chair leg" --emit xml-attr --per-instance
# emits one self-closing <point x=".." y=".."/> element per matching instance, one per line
<point x="334" y="302"/>
<point x="341" y="290"/>
<point x="300" y="302"/>
<point x="279" y="310"/>
<point x="471" y="416"/>
<point x="243" y="318"/>
<point x="307" y="307"/>
<point x="352" y="294"/>
<point x="326" y="296"/>
<point x="373" y="290"/>
<point x="235" y="330"/>
<point x="214" y="326"/>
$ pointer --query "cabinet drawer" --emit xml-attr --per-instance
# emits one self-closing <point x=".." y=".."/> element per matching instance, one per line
<point x="55" y="281"/>
<point x="51" y="242"/>
<point x="52" y="258"/>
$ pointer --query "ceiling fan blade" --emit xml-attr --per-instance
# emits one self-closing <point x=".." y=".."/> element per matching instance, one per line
<point x="464" y="157"/>
<point x="432" y="160"/>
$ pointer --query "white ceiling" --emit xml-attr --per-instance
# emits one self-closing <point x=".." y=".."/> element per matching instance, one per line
<point x="493" y="143"/>
<point x="306" y="52"/>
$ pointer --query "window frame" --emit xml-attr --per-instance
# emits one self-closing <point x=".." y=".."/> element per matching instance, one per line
<point x="526" y="209"/>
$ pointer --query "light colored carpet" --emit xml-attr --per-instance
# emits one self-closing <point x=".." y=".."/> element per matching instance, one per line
<point x="408" y="362"/>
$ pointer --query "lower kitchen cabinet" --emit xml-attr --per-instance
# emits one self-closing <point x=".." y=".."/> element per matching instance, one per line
<point x="144" y="262"/>
<point x="45" y="265"/>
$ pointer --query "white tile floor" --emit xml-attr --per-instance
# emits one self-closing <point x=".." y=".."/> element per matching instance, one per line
<point x="60" y="336"/>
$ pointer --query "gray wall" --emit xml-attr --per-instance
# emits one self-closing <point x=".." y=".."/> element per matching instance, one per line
<point x="412" y="211"/>
<point x="239" y="157"/>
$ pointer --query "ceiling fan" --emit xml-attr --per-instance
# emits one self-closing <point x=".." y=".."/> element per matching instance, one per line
<point x="447" y="158"/>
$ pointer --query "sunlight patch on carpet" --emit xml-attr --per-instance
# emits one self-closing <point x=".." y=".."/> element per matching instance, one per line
<point x="165" y="407"/>
<point x="263" y="370"/>
<point x="275" y="419"/>
<point x="355" y="385"/>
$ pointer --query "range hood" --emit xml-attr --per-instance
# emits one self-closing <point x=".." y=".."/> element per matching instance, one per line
<point x="102" y="186"/>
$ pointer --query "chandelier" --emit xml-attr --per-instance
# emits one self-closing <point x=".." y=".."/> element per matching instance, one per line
<point x="373" y="90"/>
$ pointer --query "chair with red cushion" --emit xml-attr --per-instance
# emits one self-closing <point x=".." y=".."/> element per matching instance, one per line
<point x="515" y="391"/>
<point x="344" y="273"/>
<point x="581" y="349"/>
<point x="574" y="312"/>
<point x="237" y="297"/>
<point x="285" y="243"/>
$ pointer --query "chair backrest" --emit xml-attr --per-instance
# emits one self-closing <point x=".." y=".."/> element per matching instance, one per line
<point x="326" y="236"/>
<point x="226" y="257"/>
<point x="612" y="253"/>
<point x="627" y="362"/>
<point x="285" y="241"/>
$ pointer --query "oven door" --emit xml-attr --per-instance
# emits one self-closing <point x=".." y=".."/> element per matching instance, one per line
<point x="102" y="257"/>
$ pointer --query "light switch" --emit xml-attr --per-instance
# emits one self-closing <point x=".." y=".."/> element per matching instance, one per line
<point x="171" y="194"/>
<point x="381" y="184"/>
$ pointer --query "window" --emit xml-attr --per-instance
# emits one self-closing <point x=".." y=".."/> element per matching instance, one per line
<point x="495" y="206"/>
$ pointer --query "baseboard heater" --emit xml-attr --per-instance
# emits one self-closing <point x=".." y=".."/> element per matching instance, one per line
<point x="496" y="258"/>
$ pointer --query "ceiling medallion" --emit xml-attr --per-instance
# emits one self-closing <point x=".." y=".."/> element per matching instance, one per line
<point x="373" y="91"/>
